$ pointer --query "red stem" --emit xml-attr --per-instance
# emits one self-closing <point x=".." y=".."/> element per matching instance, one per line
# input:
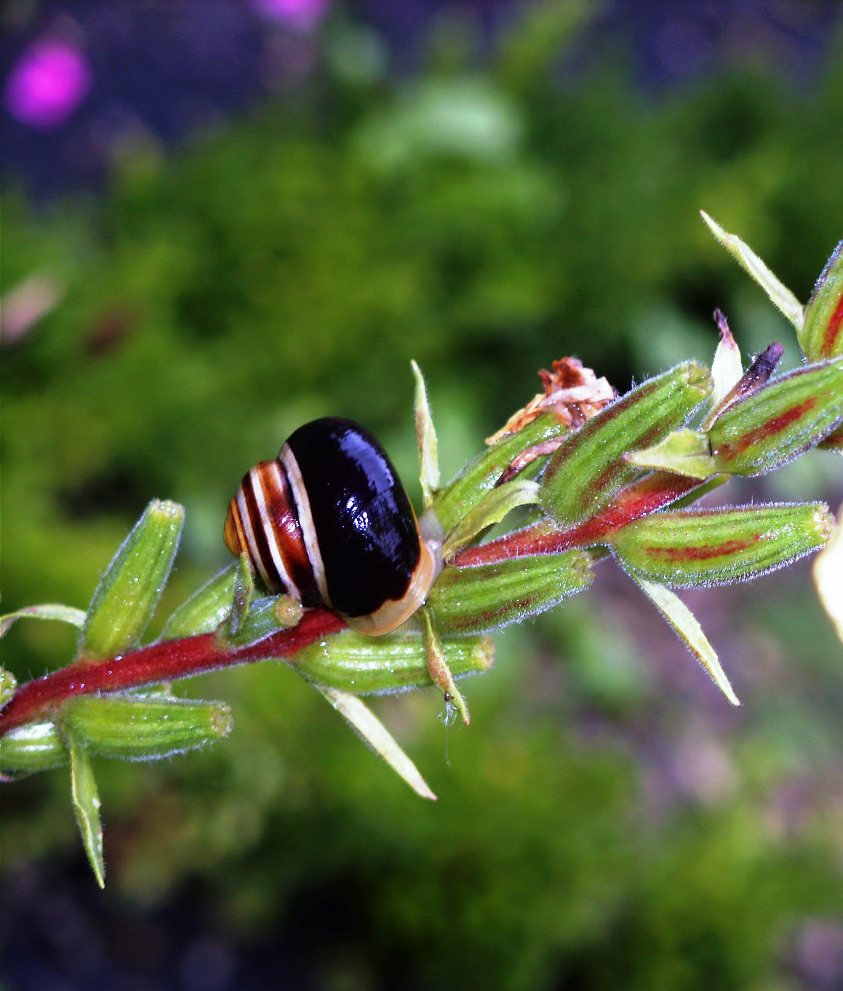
<point x="175" y="659"/>
<point x="653" y="492"/>
<point x="164" y="661"/>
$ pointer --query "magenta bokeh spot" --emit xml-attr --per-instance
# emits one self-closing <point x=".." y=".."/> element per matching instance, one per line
<point x="47" y="83"/>
<point x="301" y="14"/>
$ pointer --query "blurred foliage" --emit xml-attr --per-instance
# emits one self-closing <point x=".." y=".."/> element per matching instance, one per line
<point x="603" y="823"/>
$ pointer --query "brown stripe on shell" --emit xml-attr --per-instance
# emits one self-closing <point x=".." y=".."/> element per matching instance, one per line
<point x="253" y="525"/>
<point x="267" y="491"/>
<point x="283" y="526"/>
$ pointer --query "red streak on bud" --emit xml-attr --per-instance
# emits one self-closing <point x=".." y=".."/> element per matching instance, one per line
<point x="700" y="553"/>
<point x="605" y="480"/>
<point x="654" y="492"/>
<point x="773" y="426"/>
<point x="832" y="330"/>
<point x="491" y="617"/>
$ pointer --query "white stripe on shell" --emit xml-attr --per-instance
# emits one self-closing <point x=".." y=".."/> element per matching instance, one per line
<point x="268" y="527"/>
<point x="246" y="522"/>
<point x="308" y="528"/>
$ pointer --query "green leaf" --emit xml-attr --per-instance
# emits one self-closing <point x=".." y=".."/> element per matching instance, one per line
<point x="396" y="662"/>
<point x="477" y="599"/>
<point x="684" y="624"/>
<point x="828" y="577"/>
<point x="589" y="466"/>
<point x="437" y="666"/>
<point x="779" y="294"/>
<point x="684" y="452"/>
<point x="128" y="593"/>
<point x="205" y="609"/>
<point x="426" y="440"/>
<point x="491" y="509"/>
<point x="701" y="547"/>
<point x="244" y="592"/>
<point x="373" y="732"/>
<point x="50" y="610"/>
<point x="33" y="747"/>
<point x="86" y="805"/>
<point x="822" y="332"/>
<point x="792" y="413"/>
<point x="461" y="496"/>
<point x="144" y="728"/>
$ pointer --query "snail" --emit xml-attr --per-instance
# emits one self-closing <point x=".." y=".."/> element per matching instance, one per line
<point x="329" y="523"/>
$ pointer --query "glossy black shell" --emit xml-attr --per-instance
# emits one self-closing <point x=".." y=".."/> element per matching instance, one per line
<point x="365" y="526"/>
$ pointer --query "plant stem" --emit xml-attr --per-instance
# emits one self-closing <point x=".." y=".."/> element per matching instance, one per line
<point x="165" y="661"/>
<point x="653" y="492"/>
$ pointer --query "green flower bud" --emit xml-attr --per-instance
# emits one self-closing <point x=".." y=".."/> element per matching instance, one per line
<point x="144" y="728"/>
<point x="589" y="467"/>
<point x="34" y="747"/>
<point x="720" y="546"/>
<point x="266" y="615"/>
<point x="822" y="330"/>
<point x="461" y="495"/>
<point x="129" y="591"/>
<point x="205" y="609"/>
<point x="771" y="426"/>
<point x="365" y="665"/>
<point x="472" y="600"/>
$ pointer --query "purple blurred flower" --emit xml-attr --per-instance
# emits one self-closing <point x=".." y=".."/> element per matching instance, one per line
<point x="303" y="15"/>
<point x="47" y="83"/>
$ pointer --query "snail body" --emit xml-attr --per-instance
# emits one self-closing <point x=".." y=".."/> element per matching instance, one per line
<point x="329" y="523"/>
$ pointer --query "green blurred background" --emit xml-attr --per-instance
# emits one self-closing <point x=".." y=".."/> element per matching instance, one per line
<point x="484" y="194"/>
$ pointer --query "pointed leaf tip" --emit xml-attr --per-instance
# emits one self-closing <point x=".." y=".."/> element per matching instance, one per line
<point x="428" y="446"/>
<point x="86" y="805"/>
<point x="778" y="293"/>
<point x="372" y="731"/>
<point x="683" y="622"/>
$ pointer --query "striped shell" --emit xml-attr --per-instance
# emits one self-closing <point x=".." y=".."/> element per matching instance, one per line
<point x="329" y="523"/>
